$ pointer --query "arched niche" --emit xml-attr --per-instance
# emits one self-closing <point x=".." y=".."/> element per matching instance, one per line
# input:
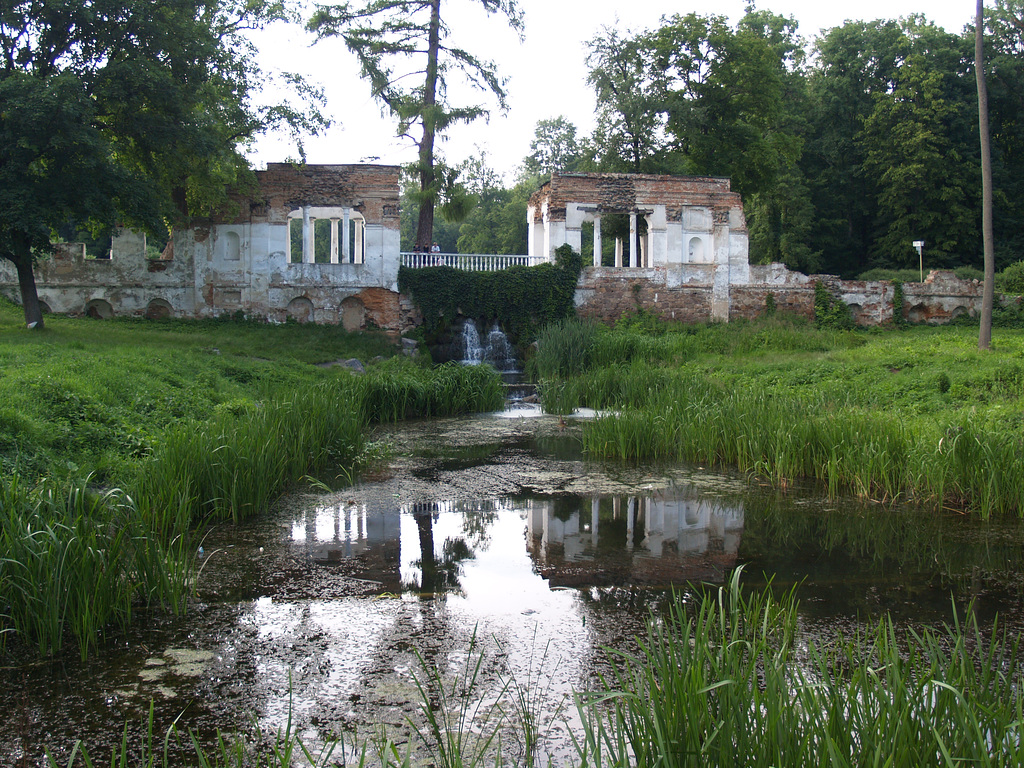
<point x="353" y="314"/>
<point x="696" y="250"/>
<point x="99" y="309"/>
<point x="232" y="247"/>
<point x="159" y="309"/>
<point x="300" y="309"/>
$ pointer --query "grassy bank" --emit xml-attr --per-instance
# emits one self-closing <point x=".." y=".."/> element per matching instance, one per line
<point x="919" y="415"/>
<point x="119" y="438"/>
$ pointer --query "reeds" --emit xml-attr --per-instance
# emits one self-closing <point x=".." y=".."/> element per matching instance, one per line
<point x="725" y="685"/>
<point x="666" y="414"/>
<point x="75" y="563"/>
<point x="399" y="389"/>
<point x="234" y="467"/>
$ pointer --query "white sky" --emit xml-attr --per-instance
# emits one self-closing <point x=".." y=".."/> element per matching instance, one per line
<point x="546" y="72"/>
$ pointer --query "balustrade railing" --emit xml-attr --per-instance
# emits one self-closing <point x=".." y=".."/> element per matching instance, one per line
<point x="471" y="262"/>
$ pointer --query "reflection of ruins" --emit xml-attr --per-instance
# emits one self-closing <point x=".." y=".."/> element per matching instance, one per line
<point x="657" y="540"/>
<point x="401" y="546"/>
<point x="571" y="540"/>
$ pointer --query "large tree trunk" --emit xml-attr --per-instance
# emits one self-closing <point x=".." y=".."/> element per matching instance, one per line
<point x="27" y="285"/>
<point x="988" y="294"/>
<point x="425" y="227"/>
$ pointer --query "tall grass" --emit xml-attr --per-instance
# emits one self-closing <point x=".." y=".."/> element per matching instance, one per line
<point x="914" y="417"/>
<point x="399" y="389"/>
<point x="76" y="563"/>
<point x="786" y="437"/>
<point x="234" y="467"/>
<point x="725" y="685"/>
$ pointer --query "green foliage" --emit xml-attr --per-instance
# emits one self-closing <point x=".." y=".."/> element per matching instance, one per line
<point x="829" y="311"/>
<point x="75" y="562"/>
<point x="722" y="683"/>
<point x="882" y="273"/>
<point x="123" y="115"/>
<point x="521" y="299"/>
<point x="1011" y="279"/>
<point x="769" y="304"/>
<point x="898" y="300"/>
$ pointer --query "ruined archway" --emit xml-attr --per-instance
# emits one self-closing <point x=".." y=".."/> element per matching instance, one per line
<point x="99" y="309"/>
<point x="300" y="309"/>
<point x="353" y="314"/>
<point x="158" y="309"/>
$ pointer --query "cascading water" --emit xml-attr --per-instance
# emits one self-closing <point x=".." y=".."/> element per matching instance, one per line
<point x="472" y="351"/>
<point x="499" y="352"/>
<point x="494" y="350"/>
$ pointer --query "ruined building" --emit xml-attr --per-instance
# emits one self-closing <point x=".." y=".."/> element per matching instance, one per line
<point x="321" y="243"/>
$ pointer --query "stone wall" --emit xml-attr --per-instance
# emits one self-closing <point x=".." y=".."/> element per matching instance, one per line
<point x="239" y="261"/>
<point x="686" y="294"/>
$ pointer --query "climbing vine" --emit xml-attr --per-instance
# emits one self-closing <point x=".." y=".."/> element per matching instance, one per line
<point x="897" y="304"/>
<point x="521" y="299"/>
<point x="829" y="311"/>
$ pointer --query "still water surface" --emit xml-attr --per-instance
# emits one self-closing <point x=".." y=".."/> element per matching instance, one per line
<point x="493" y="528"/>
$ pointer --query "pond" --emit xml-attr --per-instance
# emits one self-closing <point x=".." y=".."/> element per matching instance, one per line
<point x="490" y="538"/>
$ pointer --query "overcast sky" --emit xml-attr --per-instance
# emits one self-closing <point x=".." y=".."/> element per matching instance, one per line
<point x="546" y="71"/>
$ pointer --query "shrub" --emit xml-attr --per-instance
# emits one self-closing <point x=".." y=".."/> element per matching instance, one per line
<point x="1011" y="279"/>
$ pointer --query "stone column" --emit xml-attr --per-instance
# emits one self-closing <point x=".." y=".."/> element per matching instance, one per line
<point x="358" y="255"/>
<point x="597" y="241"/>
<point x="307" y="236"/>
<point x="643" y="248"/>
<point x="344" y="236"/>
<point x="595" y="508"/>
<point x="632" y="239"/>
<point x="334" y="239"/>
<point x="618" y="251"/>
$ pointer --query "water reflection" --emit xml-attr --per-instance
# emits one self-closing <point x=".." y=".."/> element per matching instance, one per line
<point x="664" y="539"/>
<point x="672" y="537"/>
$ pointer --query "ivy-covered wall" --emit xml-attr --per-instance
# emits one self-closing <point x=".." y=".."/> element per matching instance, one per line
<point x="521" y="299"/>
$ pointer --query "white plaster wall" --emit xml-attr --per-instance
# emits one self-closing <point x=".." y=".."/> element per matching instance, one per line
<point x="674" y="253"/>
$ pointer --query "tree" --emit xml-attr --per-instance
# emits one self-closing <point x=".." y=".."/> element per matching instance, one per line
<point x="122" y="111"/>
<point x="988" y="293"/>
<point x="855" y="64"/>
<point x="630" y="130"/>
<point x="387" y="36"/>
<point x="554" y="148"/>
<point x="920" y="150"/>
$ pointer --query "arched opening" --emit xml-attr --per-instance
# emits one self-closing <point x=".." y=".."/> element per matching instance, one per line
<point x="99" y="309"/>
<point x="158" y="309"/>
<point x="353" y="314"/>
<point x="695" y="253"/>
<point x="300" y="309"/>
<point x="232" y="247"/>
<point x="917" y="314"/>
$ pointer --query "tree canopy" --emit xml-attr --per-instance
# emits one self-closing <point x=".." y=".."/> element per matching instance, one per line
<point x="124" y="111"/>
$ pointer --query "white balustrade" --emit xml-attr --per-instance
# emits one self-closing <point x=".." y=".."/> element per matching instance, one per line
<point x="470" y="262"/>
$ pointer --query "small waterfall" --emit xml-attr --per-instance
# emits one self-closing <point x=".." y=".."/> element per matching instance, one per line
<point x="472" y="351"/>
<point x="499" y="352"/>
<point x="495" y="349"/>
